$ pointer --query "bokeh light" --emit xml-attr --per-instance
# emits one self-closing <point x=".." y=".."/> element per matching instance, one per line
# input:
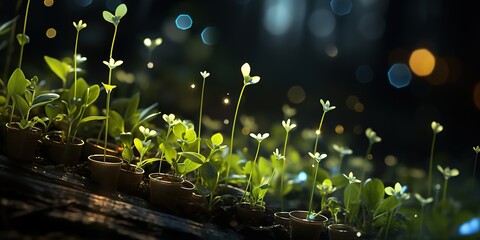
<point x="422" y="62"/>
<point x="83" y="3"/>
<point x="341" y="7"/>
<point x="470" y="227"/>
<point x="364" y="74"/>
<point x="48" y="3"/>
<point x="331" y="50"/>
<point x="51" y="33"/>
<point x="339" y="129"/>
<point x="391" y="160"/>
<point x="476" y="95"/>
<point x="321" y="23"/>
<point x="296" y="94"/>
<point x="209" y="36"/>
<point x="440" y="73"/>
<point x="278" y="17"/>
<point x="351" y="101"/>
<point x="150" y="65"/>
<point x="359" y="107"/>
<point x="399" y="75"/>
<point x="184" y="22"/>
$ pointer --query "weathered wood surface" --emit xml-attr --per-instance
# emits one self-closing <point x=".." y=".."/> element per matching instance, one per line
<point x="53" y="202"/>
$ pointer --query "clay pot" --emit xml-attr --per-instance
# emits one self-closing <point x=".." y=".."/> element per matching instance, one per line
<point x="301" y="228"/>
<point x="130" y="178"/>
<point x="251" y="214"/>
<point x="92" y="147"/>
<point x="165" y="190"/>
<point x="104" y="171"/>
<point x="62" y="153"/>
<point x="282" y="218"/>
<point x="21" y="144"/>
<point x="341" y="232"/>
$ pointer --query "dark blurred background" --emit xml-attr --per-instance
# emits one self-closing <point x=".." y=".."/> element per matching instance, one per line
<point x="304" y="51"/>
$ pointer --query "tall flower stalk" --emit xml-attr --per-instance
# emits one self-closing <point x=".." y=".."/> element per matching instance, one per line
<point x="342" y="152"/>
<point x="259" y="137"/>
<point x="351" y="180"/>
<point x="423" y="202"/>
<point x="399" y="193"/>
<point x="120" y="11"/>
<point x="247" y="80"/>
<point x="447" y="173"/>
<point x="436" y="128"/>
<point x="204" y="74"/>
<point x="326" y="108"/>
<point x="318" y="158"/>
<point x="477" y="150"/>
<point x="78" y="26"/>
<point x="372" y="138"/>
<point x="288" y="126"/>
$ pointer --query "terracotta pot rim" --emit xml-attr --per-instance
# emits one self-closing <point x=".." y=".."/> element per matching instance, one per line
<point x="32" y="129"/>
<point x="322" y="219"/>
<point x="108" y="161"/>
<point x="137" y="170"/>
<point x="340" y="227"/>
<point x="282" y="215"/>
<point x="190" y="186"/>
<point x="161" y="178"/>
<point x="78" y="141"/>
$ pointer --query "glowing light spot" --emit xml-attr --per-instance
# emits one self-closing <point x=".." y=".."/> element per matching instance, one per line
<point x="192" y="85"/>
<point x="470" y="227"/>
<point x="296" y="94"/>
<point x="399" y="75"/>
<point x="209" y="36"/>
<point x="48" y="3"/>
<point x="390" y="160"/>
<point x="226" y="101"/>
<point x="321" y="23"/>
<point x="371" y="26"/>
<point x="358" y="129"/>
<point x="317" y="132"/>
<point x="422" y="62"/>
<point x="147" y="42"/>
<point x="339" y="129"/>
<point x="476" y="95"/>
<point x="358" y="107"/>
<point x="341" y="7"/>
<point x="150" y="65"/>
<point x="83" y="3"/>
<point x="301" y="177"/>
<point x="415" y="216"/>
<point x="184" y="22"/>
<point x="112" y="4"/>
<point x="51" y="33"/>
<point x="278" y="17"/>
<point x="440" y="72"/>
<point x="364" y="74"/>
<point x="351" y="101"/>
<point x="370" y="157"/>
<point x="359" y="234"/>
<point x="245" y="131"/>
<point x="226" y="122"/>
<point x="331" y="51"/>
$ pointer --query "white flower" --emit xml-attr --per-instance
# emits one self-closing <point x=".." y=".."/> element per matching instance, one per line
<point x="260" y="137"/>
<point x="205" y="74"/>
<point x="372" y="136"/>
<point x="422" y="200"/>
<point x="80" y="25"/>
<point x="112" y="64"/>
<point x="326" y="187"/>
<point x="351" y="178"/>
<point x="170" y="119"/>
<point x="436" y="127"/>
<point x="317" y="156"/>
<point x="447" y="172"/>
<point x="147" y="132"/>
<point x="476" y="149"/>
<point x="326" y="105"/>
<point x="398" y="192"/>
<point x="80" y="59"/>
<point x="247" y="79"/>
<point x="278" y="155"/>
<point x="288" y="126"/>
<point x="342" y="150"/>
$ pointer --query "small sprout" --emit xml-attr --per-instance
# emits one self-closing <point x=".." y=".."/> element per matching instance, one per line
<point x="447" y="172"/>
<point x="351" y="178"/>
<point x="170" y="119"/>
<point x="436" y="127"/>
<point x="205" y="74"/>
<point x="398" y="192"/>
<point x="476" y="149"/>
<point x="317" y="156"/>
<point x="120" y="11"/>
<point x="108" y="87"/>
<point x="247" y="79"/>
<point x="278" y="155"/>
<point x="80" y="25"/>
<point x="288" y="126"/>
<point x="260" y="137"/>
<point x="112" y="64"/>
<point x="422" y="200"/>
<point x="288" y="111"/>
<point x="326" y="105"/>
<point x="342" y="150"/>
<point x="372" y="136"/>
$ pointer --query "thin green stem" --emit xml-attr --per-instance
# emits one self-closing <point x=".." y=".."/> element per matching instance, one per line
<point x="75" y="66"/>
<point x="107" y="115"/>
<point x="474" y="169"/>
<point x="388" y="223"/>
<point x="431" y="166"/>
<point x="200" y="115"/>
<point x="113" y="41"/>
<point x="348" y="199"/>
<point x="233" y="133"/>
<point x="283" y="170"/>
<point x="445" y="185"/>
<point x="23" y="34"/>
<point x="310" y="209"/>
<point x="251" y="171"/>
<point x="319" y="131"/>
<point x="163" y="152"/>
<point x="210" y="203"/>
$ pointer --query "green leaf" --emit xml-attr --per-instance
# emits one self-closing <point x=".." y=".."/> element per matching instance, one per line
<point x="52" y="110"/>
<point x="146" y="111"/>
<point x="194" y="157"/>
<point x="170" y="154"/>
<point x="132" y="106"/>
<point x="81" y="89"/>
<point x="187" y="166"/>
<point x="209" y="175"/>
<point x="17" y="84"/>
<point x="146" y="119"/>
<point x="179" y="130"/>
<point x="5" y="27"/>
<point x="190" y="136"/>
<point x="217" y="139"/>
<point x="126" y="138"/>
<point x="58" y="67"/>
<point x="91" y="118"/>
<point x="121" y="10"/>
<point x="209" y="144"/>
<point x="138" y="144"/>
<point x="351" y="192"/>
<point x="116" y="124"/>
<point x="373" y="193"/>
<point x="43" y="99"/>
<point x="386" y="205"/>
<point x="21" y="104"/>
<point x="108" y="16"/>
<point x="91" y="94"/>
<point x="23" y="39"/>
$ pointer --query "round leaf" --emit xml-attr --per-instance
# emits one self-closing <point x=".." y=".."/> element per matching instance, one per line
<point x="372" y="193"/>
<point x="121" y="10"/>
